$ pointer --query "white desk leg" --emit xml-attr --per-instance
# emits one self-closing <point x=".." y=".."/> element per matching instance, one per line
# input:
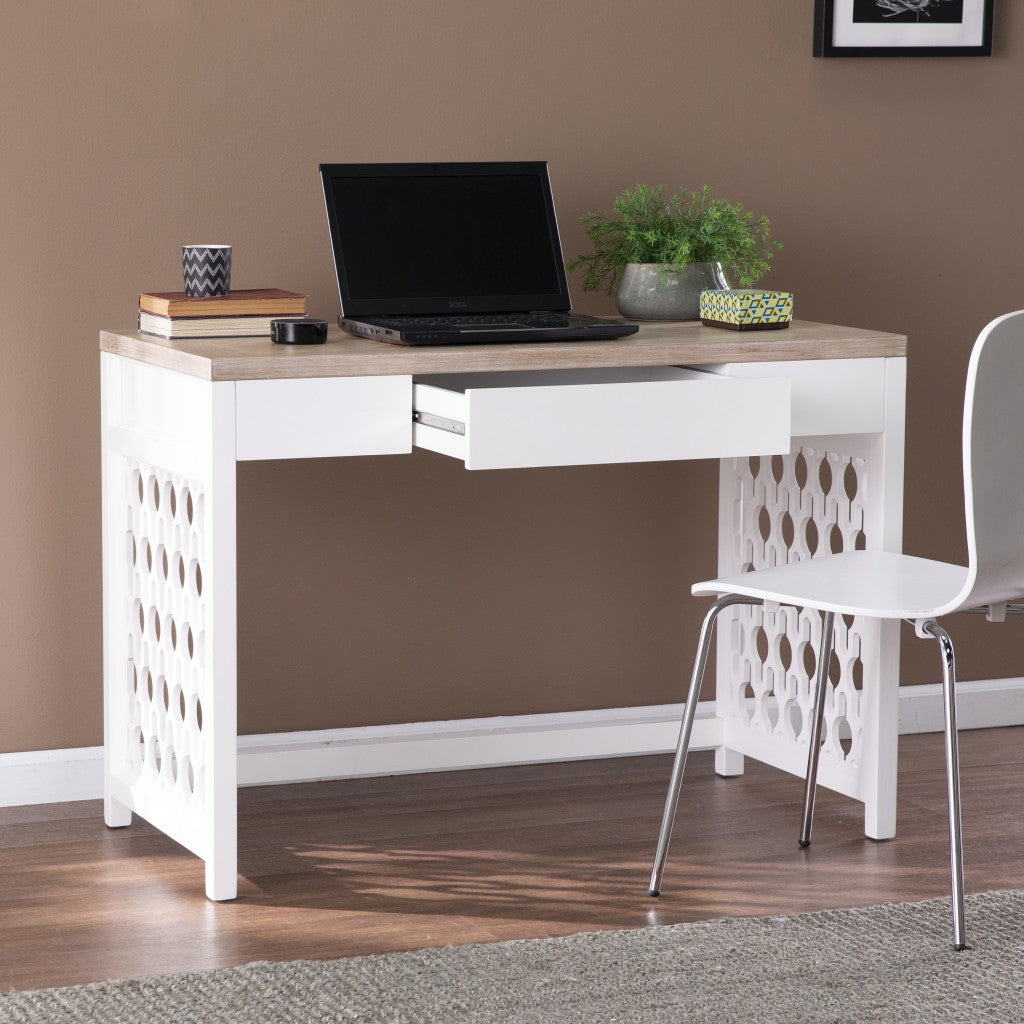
<point x="728" y="762"/>
<point x="221" y="719"/>
<point x="116" y="558"/>
<point x="883" y="523"/>
<point x="170" y="732"/>
<point x="829" y="494"/>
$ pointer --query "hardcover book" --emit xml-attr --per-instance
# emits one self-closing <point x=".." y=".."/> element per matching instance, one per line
<point x="205" y="326"/>
<point x="241" y="302"/>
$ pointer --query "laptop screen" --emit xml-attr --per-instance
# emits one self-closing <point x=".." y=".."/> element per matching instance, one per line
<point x="442" y="238"/>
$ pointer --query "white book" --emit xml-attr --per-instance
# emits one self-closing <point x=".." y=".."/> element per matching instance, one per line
<point x="205" y="326"/>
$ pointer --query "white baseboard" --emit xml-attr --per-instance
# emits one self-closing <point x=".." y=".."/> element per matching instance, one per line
<point x="51" y="776"/>
<point x="981" y="704"/>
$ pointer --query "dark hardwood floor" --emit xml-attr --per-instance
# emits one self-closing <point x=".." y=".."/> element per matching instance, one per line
<point x="373" y="865"/>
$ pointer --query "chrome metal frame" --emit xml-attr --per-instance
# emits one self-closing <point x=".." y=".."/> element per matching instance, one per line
<point x="672" y="799"/>
<point x="814" y="748"/>
<point x="928" y="627"/>
<point x="956" y="852"/>
<point x="1010" y="609"/>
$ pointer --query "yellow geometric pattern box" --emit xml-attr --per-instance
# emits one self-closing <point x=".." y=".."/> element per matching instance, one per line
<point x="744" y="309"/>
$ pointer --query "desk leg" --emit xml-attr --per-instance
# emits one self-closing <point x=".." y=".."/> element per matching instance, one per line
<point x="731" y="541"/>
<point x="170" y="733"/>
<point x="828" y="494"/>
<point x="883" y="523"/>
<point x="221" y="722"/>
<point x="118" y="675"/>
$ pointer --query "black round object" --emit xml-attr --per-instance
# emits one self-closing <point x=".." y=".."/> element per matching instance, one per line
<point x="298" y="331"/>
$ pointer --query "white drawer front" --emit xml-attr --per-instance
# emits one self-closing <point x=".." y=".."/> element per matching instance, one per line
<point x="323" y="417"/>
<point x="586" y="417"/>
<point x="830" y="396"/>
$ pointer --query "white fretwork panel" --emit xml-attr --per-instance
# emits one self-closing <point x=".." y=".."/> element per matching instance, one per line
<point x="166" y="676"/>
<point x="785" y="509"/>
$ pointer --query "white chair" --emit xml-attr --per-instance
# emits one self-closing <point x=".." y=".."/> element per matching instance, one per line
<point x="886" y="585"/>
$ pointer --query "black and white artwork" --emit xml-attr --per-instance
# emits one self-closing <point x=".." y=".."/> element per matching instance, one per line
<point x="902" y="28"/>
<point x="893" y="11"/>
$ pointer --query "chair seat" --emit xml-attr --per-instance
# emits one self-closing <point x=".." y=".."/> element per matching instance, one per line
<point x="881" y="584"/>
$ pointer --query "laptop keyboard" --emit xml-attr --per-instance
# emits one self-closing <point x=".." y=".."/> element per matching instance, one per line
<point x="428" y="323"/>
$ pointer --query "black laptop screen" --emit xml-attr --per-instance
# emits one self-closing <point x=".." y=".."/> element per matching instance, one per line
<point x="443" y="240"/>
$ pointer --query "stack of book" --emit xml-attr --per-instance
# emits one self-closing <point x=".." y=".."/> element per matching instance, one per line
<point x="238" y="314"/>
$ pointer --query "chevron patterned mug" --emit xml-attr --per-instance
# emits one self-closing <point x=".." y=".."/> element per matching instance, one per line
<point x="207" y="270"/>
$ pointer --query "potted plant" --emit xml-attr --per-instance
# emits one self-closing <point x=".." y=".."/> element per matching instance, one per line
<point x="661" y="252"/>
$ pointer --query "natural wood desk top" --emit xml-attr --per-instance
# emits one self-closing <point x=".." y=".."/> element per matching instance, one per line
<point x="687" y="343"/>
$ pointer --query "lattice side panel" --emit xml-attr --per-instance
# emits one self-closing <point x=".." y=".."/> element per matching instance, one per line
<point x="786" y="509"/>
<point x="167" y="673"/>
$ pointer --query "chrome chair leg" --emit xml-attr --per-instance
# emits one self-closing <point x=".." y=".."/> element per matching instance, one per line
<point x="956" y="852"/>
<point x="811" y="780"/>
<point x="672" y="799"/>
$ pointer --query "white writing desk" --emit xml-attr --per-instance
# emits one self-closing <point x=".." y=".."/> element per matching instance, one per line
<point x="820" y="407"/>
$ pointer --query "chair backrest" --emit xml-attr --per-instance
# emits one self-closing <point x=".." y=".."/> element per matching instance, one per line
<point x="994" y="464"/>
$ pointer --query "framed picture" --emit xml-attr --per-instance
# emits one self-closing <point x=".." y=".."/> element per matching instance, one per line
<point x="903" y="28"/>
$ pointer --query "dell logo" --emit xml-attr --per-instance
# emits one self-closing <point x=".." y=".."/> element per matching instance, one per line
<point x="457" y="305"/>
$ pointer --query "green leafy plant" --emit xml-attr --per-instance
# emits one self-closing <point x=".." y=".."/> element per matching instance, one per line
<point x="688" y="227"/>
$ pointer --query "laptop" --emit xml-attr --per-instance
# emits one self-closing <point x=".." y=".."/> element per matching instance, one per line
<point x="441" y="254"/>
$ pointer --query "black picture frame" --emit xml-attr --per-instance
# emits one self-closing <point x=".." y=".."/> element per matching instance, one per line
<point x="825" y="24"/>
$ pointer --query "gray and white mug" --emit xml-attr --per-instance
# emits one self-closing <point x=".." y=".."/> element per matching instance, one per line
<point x="207" y="270"/>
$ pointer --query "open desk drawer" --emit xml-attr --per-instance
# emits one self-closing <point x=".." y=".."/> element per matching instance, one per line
<point x="583" y="417"/>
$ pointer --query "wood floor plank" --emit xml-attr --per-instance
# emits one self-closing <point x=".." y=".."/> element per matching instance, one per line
<point x="375" y="865"/>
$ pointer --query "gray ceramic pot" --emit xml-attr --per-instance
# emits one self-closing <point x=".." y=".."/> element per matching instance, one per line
<point x="647" y="294"/>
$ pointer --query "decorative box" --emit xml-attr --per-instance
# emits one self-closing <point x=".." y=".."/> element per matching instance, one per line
<point x="745" y="309"/>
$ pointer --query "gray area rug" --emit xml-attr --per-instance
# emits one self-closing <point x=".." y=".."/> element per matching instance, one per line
<point x="891" y="963"/>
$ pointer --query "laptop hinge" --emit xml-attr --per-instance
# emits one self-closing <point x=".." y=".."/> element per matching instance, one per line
<point x="428" y="419"/>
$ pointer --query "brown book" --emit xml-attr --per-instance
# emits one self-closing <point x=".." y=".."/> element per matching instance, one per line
<point x="242" y="302"/>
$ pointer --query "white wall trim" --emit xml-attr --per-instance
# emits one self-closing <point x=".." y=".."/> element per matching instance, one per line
<point x="981" y="704"/>
<point x="51" y="776"/>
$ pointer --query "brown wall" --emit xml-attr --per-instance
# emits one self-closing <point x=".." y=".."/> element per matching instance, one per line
<point x="395" y="589"/>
